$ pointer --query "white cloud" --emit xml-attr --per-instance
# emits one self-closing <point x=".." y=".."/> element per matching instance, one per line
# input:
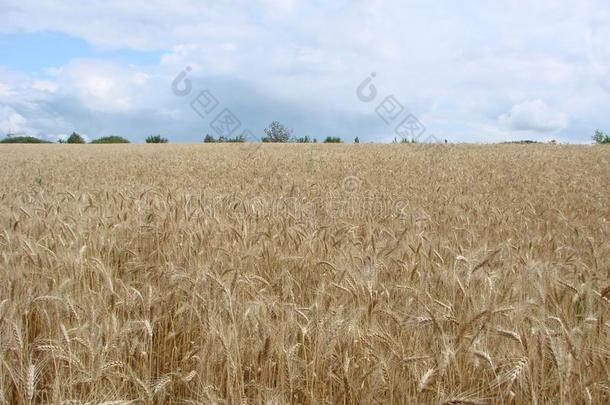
<point x="12" y="122"/>
<point x="45" y="85"/>
<point x="534" y="115"/>
<point x="101" y="85"/>
<point x="5" y="90"/>
<point x="457" y="66"/>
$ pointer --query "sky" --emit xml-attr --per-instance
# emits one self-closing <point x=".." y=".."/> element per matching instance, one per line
<point x="468" y="71"/>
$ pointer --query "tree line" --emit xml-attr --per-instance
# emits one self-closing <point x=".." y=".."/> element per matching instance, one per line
<point x="274" y="133"/>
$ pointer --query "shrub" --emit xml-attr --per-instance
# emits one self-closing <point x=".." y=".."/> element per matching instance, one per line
<point x="110" y="139"/>
<point x="304" y="139"/>
<point x="277" y="132"/>
<point x="407" y="140"/>
<point x="357" y="140"/>
<point x="75" y="138"/>
<point x="332" y="139"/>
<point x="238" y="139"/>
<point x="601" y="137"/>
<point x="22" y="139"/>
<point x="523" y="142"/>
<point x="156" y="139"/>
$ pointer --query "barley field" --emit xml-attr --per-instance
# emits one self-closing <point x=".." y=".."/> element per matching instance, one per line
<point x="306" y="274"/>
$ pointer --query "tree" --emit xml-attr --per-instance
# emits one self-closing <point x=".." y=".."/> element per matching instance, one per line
<point x="22" y="139"/>
<point x="407" y="140"/>
<point x="238" y="139"/>
<point x="75" y="138"/>
<point x="223" y="139"/>
<point x="304" y="139"/>
<point x="601" y="137"/>
<point x="111" y="139"/>
<point x="156" y="139"/>
<point x="277" y="132"/>
<point x="357" y="140"/>
<point x="332" y="139"/>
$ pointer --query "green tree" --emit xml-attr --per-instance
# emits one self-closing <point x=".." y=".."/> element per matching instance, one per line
<point x="277" y="132"/>
<point x="22" y="139"/>
<point x="111" y="139"/>
<point x="238" y="139"/>
<point x="332" y="139"/>
<point x="156" y="139"/>
<point x="209" y="139"/>
<point x="304" y="139"/>
<point x="601" y="137"/>
<point x="357" y="140"/>
<point x="75" y="138"/>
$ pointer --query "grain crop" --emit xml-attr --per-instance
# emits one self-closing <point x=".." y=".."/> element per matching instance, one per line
<point x="310" y="274"/>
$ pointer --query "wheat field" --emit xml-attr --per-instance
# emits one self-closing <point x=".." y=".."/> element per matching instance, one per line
<point x="307" y="274"/>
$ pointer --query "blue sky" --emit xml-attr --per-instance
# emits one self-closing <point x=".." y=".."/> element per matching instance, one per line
<point x="467" y="71"/>
<point x="36" y="52"/>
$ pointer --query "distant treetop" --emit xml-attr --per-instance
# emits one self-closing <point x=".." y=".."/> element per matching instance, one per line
<point x="111" y="139"/>
<point x="156" y="139"/>
<point x="22" y="139"/>
<point x="221" y="139"/>
<point x="75" y="138"/>
<point x="277" y="132"/>
<point x="601" y="137"/>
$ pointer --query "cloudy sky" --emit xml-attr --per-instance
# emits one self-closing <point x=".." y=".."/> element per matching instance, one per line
<point x="469" y="71"/>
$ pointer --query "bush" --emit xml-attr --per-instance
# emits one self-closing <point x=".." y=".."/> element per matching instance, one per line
<point x="75" y="138"/>
<point x="277" y="132"/>
<point x="238" y="139"/>
<point x="601" y="137"/>
<point x="22" y="139"/>
<point x="523" y="142"/>
<point x="110" y="139"/>
<point x="332" y="139"/>
<point x="156" y="139"/>
<point x="407" y="140"/>
<point x="356" y="140"/>
<point x="304" y="139"/>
